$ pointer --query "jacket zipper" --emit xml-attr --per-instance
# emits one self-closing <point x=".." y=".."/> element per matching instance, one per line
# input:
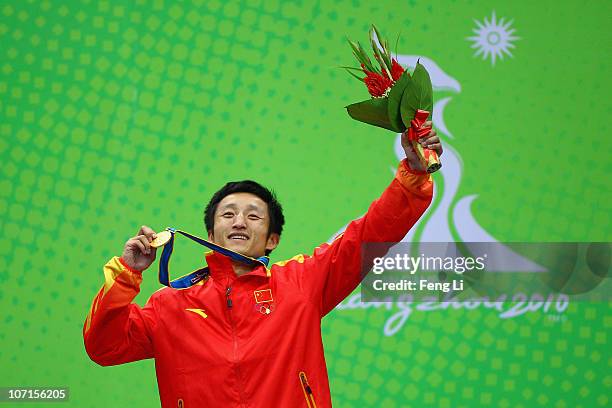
<point x="230" y="304"/>
<point x="308" y="394"/>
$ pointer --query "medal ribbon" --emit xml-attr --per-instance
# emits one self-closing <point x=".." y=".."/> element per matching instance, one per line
<point x="194" y="277"/>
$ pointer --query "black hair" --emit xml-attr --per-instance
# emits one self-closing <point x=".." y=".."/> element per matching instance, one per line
<point x="275" y="210"/>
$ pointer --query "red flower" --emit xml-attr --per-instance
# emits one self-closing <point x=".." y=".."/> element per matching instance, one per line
<point x="376" y="83"/>
<point x="396" y="70"/>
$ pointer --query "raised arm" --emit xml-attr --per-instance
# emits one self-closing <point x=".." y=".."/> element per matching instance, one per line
<point x="334" y="270"/>
<point x="116" y="330"/>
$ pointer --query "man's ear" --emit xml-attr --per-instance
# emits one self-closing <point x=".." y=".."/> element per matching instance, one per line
<point x="211" y="237"/>
<point x="272" y="241"/>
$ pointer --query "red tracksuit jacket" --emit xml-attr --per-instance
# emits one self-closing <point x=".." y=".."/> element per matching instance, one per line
<point x="253" y="340"/>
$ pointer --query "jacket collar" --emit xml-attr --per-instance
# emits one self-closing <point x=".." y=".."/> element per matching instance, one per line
<point x="220" y="267"/>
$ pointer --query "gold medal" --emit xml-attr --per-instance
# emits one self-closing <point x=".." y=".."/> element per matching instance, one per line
<point x="162" y="238"/>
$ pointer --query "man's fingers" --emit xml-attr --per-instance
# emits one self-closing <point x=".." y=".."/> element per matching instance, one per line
<point x="139" y="244"/>
<point x="405" y="141"/>
<point x="437" y="147"/>
<point x="430" y="140"/>
<point x="148" y="232"/>
<point x="432" y="137"/>
<point x="145" y="244"/>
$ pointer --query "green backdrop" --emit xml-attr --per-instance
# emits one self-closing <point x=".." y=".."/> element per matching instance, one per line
<point x="118" y="114"/>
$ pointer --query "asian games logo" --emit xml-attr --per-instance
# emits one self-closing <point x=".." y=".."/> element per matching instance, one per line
<point x="449" y="218"/>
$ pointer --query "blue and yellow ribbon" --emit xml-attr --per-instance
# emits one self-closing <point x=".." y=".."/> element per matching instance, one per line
<point x="196" y="276"/>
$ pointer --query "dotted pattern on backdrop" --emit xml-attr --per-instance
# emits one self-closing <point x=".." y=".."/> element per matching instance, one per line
<point x="115" y="115"/>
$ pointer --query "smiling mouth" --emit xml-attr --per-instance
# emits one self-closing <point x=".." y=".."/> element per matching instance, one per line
<point x="238" y="237"/>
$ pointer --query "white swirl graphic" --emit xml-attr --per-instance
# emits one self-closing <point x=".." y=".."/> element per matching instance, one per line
<point x="435" y="224"/>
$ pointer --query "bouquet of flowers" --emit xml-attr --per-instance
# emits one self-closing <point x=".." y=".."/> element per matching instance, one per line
<point x="399" y="101"/>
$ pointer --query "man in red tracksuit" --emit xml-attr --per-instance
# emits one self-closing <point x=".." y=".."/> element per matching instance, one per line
<point x="246" y="336"/>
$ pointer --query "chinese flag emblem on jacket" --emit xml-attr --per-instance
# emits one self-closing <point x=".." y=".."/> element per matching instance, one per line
<point x="263" y="296"/>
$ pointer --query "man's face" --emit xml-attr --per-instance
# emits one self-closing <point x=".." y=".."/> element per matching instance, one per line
<point x="242" y="223"/>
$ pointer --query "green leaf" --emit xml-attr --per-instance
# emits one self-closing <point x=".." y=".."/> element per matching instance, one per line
<point x="395" y="100"/>
<point x="396" y="43"/>
<point x="384" y="54"/>
<point x="351" y="68"/>
<point x="381" y="40"/>
<point x="417" y="95"/>
<point x="359" y="55"/>
<point x="356" y="53"/>
<point x="388" y="63"/>
<point x="348" y="69"/>
<point x="372" y="111"/>
<point x="423" y="84"/>
<point x="384" y="68"/>
<point x="368" y="63"/>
